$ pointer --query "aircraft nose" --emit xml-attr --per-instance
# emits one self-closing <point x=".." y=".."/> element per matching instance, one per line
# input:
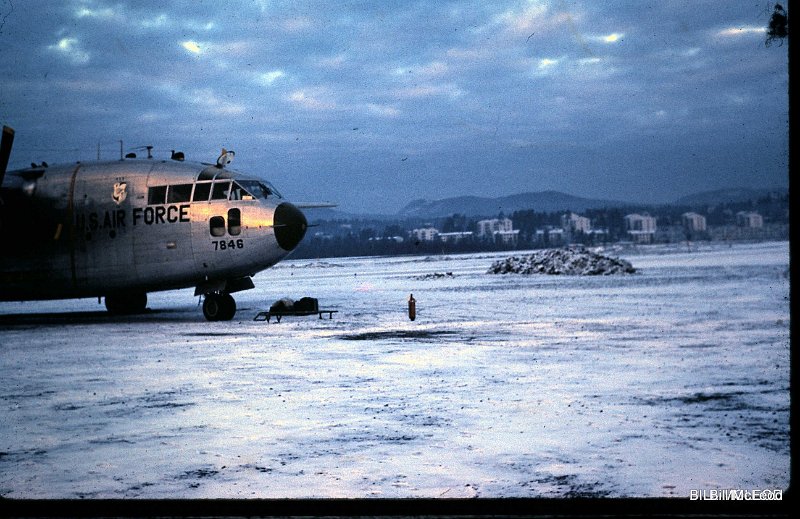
<point x="290" y="226"/>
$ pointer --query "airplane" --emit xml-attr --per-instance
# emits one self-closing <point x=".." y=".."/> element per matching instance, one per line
<point x="119" y="229"/>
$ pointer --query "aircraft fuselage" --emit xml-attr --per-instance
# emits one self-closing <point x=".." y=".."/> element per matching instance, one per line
<point x="136" y="226"/>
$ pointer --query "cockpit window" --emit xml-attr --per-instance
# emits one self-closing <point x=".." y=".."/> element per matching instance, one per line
<point x="156" y="195"/>
<point x="260" y="189"/>
<point x="201" y="192"/>
<point x="271" y="188"/>
<point x="179" y="193"/>
<point x="240" y="193"/>
<point x="220" y="191"/>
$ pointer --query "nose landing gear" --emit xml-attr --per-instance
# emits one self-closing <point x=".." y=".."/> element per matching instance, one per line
<point x="219" y="306"/>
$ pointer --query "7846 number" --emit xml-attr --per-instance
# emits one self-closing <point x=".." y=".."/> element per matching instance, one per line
<point x="230" y="244"/>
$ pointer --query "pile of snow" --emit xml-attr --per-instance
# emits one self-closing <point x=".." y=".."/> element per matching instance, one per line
<point x="576" y="261"/>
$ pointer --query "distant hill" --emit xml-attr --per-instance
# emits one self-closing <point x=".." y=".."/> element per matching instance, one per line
<point x="544" y="201"/>
<point x="727" y="196"/>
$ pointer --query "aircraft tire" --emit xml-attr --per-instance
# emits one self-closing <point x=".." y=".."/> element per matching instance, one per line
<point x="219" y="307"/>
<point x="229" y="307"/>
<point x="212" y="307"/>
<point x="126" y="304"/>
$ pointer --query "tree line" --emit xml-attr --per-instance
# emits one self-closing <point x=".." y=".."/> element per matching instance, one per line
<point x="341" y="237"/>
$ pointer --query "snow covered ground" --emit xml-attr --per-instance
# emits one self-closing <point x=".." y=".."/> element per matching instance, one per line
<point x="652" y="384"/>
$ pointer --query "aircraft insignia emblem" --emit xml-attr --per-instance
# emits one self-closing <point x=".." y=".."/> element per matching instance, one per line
<point x="120" y="192"/>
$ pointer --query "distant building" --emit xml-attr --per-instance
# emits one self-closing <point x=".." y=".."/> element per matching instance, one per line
<point x="498" y="229"/>
<point x="556" y="236"/>
<point x="639" y="222"/>
<point x="572" y="222"/>
<point x="425" y="234"/>
<point x="397" y="239"/>
<point x="599" y="234"/>
<point x="749" y="219"/>
<point x="550" y="237"/>
<point x="507" y="237"/>
<point x="640" y="228"/>
<point x="455" y="237"/>
<point x="487" y="228"/>
<point x="694" y="222"/>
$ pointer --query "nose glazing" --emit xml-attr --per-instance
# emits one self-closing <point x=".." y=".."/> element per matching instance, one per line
<point x="290" y="226"/>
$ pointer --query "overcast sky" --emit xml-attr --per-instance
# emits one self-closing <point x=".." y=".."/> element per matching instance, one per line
<point x="374" y="104"/>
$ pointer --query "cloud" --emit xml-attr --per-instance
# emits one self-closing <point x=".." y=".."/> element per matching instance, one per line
<point x="741" y="31"/>
<point x="158" y="21"/>
<point x="470" y="54"/>
<point x="534" y="17"/>
<point x="71" y="49"/>
<point x="315" y="99"/>
<point x="221" y="54"/>
<point x="523" y="21"/>
<point x="546" y="63"/>
<point x="468" y="73"/>
<point x="192" y="46"/>
<point x="268" y="78"/>
<point x="87" y="12"/>
<point x="433" y="69"/>
<point x="612" y="38"/>
<point x="297" y="24"/>
<point x="207" y="99"/>
<point x="382" y="110"/>
<point x="430" y="90"/>
<point x="152" y="117"/>
<point x="331" y="62"/>
<point x="140" y="16"/>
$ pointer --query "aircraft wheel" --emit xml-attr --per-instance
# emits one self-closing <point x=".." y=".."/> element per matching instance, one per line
<point x="229" y="307"/>
<point x="219" y="307"/>
<point x="212" y="307"/>
<point x="126" y="304"/>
